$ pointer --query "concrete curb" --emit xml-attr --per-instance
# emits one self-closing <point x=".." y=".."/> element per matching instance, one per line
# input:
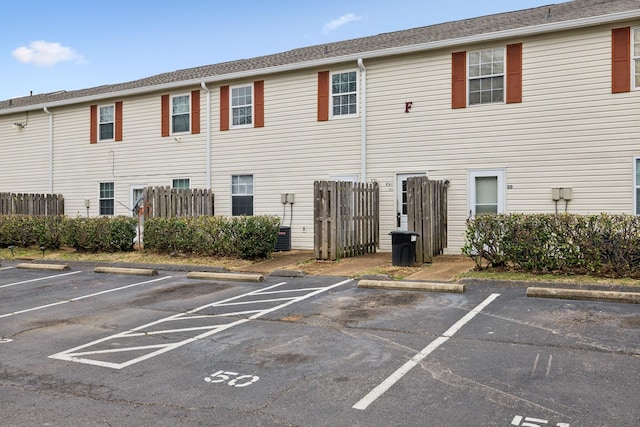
<point x="587" y="295"/>
<point x="51" y="267"/>
<point x="127" y="271"/>
<point x="240" y="277"/>
<point x="288" y="273"/>
<point x="412" y="286"/>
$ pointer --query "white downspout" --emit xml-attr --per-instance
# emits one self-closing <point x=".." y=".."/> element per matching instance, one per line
<point x="208" y="124"/>
<point x="50" y="149"/>
<point x="363" y="118"/>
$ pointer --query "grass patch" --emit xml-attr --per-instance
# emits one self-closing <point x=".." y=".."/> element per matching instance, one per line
<point x="548" y="278"/>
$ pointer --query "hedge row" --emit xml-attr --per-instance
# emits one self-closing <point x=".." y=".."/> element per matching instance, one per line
<point x="103" y="234"/>
<point x="603" y="245"/>
<point x="246" y="237"/>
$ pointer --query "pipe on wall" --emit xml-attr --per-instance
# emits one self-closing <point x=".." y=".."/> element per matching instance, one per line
<point x="363" y="119"/>
<point x="46" y="110"/>
<point x="208" y="124"/>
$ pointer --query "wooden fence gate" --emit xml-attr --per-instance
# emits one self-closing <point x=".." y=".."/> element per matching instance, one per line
<point x="168" y="202"/>
<point x="346" y="219"/>
<point x="427" y="216"/>
<point x="31" y="204"/>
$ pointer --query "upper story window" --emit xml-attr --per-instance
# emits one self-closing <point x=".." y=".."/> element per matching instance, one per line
<point x="181" y="183"/>
<point x="242" y="105"/>
<point x="344" y="94"/>
<point x="486" y="76"/>
<point x="107" y="121"/>
<point x="636" y="57"/>
<point x="180" y="113"/>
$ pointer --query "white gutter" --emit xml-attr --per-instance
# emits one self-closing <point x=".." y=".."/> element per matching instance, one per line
<point x="50" y="149"/>
<point x="421" y="47"/>
<point x="204" y="86"/>
<point x="363" y="118"/>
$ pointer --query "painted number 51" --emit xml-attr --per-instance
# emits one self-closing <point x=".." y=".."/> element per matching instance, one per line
<point x="226" y="377"/>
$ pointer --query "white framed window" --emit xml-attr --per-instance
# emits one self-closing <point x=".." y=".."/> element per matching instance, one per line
<point x="107" y="198"/>
<point x="106" y="122"/>
<point x="486" y="192"/>
<point x="181" y="183"/>
<point x="636" y="185"/>
<point x="486" y="70"/>
<point x="242" y="106"/>
<point x="241" y="195"/>
<point x="344" y="94"/>
<point x="180" y="113"/>
<point x="635" y="57"/>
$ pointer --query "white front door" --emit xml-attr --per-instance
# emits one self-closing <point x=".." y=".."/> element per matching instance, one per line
<point x="401" y="190"/>
<point x="137" y="191"/>
<point x="486" y="192"/>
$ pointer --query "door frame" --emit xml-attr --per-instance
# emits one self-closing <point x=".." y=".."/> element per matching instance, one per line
<point x="401" y="219"/>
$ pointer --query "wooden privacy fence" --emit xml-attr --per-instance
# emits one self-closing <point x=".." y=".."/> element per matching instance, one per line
<point x="427" y="216"/>
<point x="346" y="219"/>
<point x="167" y="202"/>
<point x="31" y="204"/>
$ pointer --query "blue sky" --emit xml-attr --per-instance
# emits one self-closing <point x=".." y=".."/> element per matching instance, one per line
<point x="49" y="45"/>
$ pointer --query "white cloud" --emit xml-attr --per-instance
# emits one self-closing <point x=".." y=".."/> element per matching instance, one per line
<point x="44" y="53"/>
<point x="339" y="22"/>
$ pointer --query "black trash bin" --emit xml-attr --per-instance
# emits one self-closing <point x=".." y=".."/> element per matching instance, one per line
<point x="403" y="248"/>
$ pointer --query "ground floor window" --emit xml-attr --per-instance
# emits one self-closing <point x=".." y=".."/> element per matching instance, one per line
<point x="241" y="195"/>
<point x="107" y="198"/>
<point x="636" y="185"/>
<point x="486" y="192"/>
<point x="181" y="183"/>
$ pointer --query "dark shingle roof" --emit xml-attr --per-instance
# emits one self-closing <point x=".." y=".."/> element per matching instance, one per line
<point x="560" y="12"/>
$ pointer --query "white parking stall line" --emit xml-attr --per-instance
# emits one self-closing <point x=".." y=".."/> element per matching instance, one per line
<point x="81" y="355"/>
<point x="260" y="301"/>
<point x="6" y="268"/>
<point x="404" y="369"/>
<point x="80" y="298"/>
<point x="38" y="279"/>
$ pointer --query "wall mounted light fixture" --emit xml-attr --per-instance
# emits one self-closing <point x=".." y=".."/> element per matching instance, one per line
<point x="20" y="125"/>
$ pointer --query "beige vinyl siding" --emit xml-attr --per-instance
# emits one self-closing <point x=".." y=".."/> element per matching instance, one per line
<point x="569" y="131"/>
<point x="143" y="157"/>
<point x="288" y="154"/>
<point x="24" y="154"/>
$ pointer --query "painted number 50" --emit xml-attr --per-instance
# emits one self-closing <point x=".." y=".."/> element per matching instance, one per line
<point x="225" y="377"/>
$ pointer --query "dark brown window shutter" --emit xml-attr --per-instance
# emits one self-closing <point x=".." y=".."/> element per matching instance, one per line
<point x="258" y="87"/>
<point x="224" y="108"/>
<point x="165" y="115"/>
<point x="621" y="60"/>
<point x="195" y="111"/>
<point x="323" y="96"/>
<point x="459" y="80"/>
<point x="514" y="73"/>
<point x="93" y="127"/>
<point x="118" y="121"/>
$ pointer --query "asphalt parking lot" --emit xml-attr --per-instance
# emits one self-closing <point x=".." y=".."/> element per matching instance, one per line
<point x="80" y="348"/>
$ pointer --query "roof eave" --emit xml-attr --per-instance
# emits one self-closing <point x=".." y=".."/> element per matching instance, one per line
<point x="421" y="47"/>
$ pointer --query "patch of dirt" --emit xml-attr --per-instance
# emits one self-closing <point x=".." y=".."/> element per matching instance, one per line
<point x="290" y="358"/>
<point x="182" y="291"/>
<point x="370" y="305"/>
<point x="632" y="322"/>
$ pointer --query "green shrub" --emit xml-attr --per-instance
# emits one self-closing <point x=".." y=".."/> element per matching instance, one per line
<point x="245" y="237"/>
<point x="25" y="231"/>
<point x="101" y="234"/>
<point x="606" y="245"/>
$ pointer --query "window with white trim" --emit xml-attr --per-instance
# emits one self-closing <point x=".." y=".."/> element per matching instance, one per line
<point x="344" y="94"/>
<point x="106" y="122"/>
<point x="180" y="113"/>
<point x="241" y="195"/>
<point x="107" y="198"/>
<point x="242" y="105"/>
<point x="486" y="76"/>
<point x="635" y="57"/>
<point x="486" y="192"/>
<point x="181" y="183"/>
<point x="636" y="185"/>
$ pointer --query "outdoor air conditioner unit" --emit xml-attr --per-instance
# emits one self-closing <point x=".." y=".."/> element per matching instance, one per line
<point x="284" y="239"/>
